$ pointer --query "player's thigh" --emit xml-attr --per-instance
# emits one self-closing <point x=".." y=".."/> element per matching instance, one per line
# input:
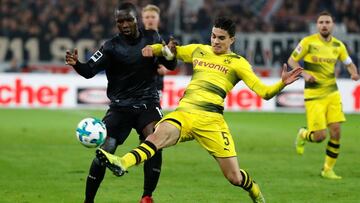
<point x="118" y="124"/>
<point x="316" y="114"/>
<point x="166" y="134"/>
<point x="335" y="112"/>
<point x="182" y="121"/>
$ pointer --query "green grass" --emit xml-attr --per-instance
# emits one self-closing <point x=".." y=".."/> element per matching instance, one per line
<point x="41" y="161"/>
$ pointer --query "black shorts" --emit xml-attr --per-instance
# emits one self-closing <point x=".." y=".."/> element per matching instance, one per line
<point x="120" y="121"/>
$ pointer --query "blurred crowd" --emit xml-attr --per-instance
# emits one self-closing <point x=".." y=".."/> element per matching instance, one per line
<point x="94" y="19"/>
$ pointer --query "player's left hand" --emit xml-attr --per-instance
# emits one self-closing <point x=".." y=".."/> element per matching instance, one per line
<point x="291" y="76"/>
<point x="147" y="51"/>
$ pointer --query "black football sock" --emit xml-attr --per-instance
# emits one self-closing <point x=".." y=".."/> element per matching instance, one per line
<point x="152" y="169"/>
<point x="96" y="175"/>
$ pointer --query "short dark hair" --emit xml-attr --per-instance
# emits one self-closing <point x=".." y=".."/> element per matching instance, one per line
<point x="128" y="7"/>
<point x="324" y="13"/>
<point x="227" y="24"/>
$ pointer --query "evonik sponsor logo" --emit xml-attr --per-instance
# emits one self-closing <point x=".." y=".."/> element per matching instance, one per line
<point x="210" y="65"/>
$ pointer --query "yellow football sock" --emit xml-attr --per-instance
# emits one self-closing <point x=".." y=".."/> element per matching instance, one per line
<point x="138" y="155"/>
<point x="332" y="152"/>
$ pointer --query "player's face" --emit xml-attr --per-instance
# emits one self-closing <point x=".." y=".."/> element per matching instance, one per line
<point x="150" y="20"/>
<point x="221" y="41"/>
<point x="126" y="22"/>
<point x="325" y="25"/>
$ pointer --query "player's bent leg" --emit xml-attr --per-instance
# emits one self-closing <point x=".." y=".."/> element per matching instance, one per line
<point x="240" y="177"/>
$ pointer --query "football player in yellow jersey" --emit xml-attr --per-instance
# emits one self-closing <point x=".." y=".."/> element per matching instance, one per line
<point x="320" y="52"/>
<point x="199" y="115"/>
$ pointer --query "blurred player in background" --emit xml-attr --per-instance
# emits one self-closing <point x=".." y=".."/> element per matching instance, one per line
<point x="200" y="112"/>
<point x="320" y="53"/>
<point x="151" y="20"/>
<point x="132" y="90"/>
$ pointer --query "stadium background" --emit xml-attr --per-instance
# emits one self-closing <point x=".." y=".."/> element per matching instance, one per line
<point x="35" y="34"/>
<point x="41" y="100"/>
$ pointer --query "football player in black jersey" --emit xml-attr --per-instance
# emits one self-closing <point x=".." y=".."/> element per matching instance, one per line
<point x="132" y="90"/>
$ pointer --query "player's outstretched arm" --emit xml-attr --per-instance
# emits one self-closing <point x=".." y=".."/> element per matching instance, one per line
<point x="269" y="91"/>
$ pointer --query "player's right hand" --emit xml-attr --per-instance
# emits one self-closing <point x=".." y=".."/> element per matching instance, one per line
<point x="71" y="57"/>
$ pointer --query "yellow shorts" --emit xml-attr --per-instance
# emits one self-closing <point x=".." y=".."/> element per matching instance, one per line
<point x="321" y="112"/>
<point x="208" y="128"/>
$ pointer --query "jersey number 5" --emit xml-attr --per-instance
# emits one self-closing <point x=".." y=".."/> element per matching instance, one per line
<point x="226" y="139"/>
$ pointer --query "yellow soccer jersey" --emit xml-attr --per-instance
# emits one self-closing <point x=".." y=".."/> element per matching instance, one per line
<point x="215" y="75"/>
<point x="320" y="58"/>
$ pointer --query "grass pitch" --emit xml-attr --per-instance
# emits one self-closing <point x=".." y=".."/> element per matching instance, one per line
<point x="41" y="161"/>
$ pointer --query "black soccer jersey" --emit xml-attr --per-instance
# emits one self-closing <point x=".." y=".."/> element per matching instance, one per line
<point x="131" y="77"/>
